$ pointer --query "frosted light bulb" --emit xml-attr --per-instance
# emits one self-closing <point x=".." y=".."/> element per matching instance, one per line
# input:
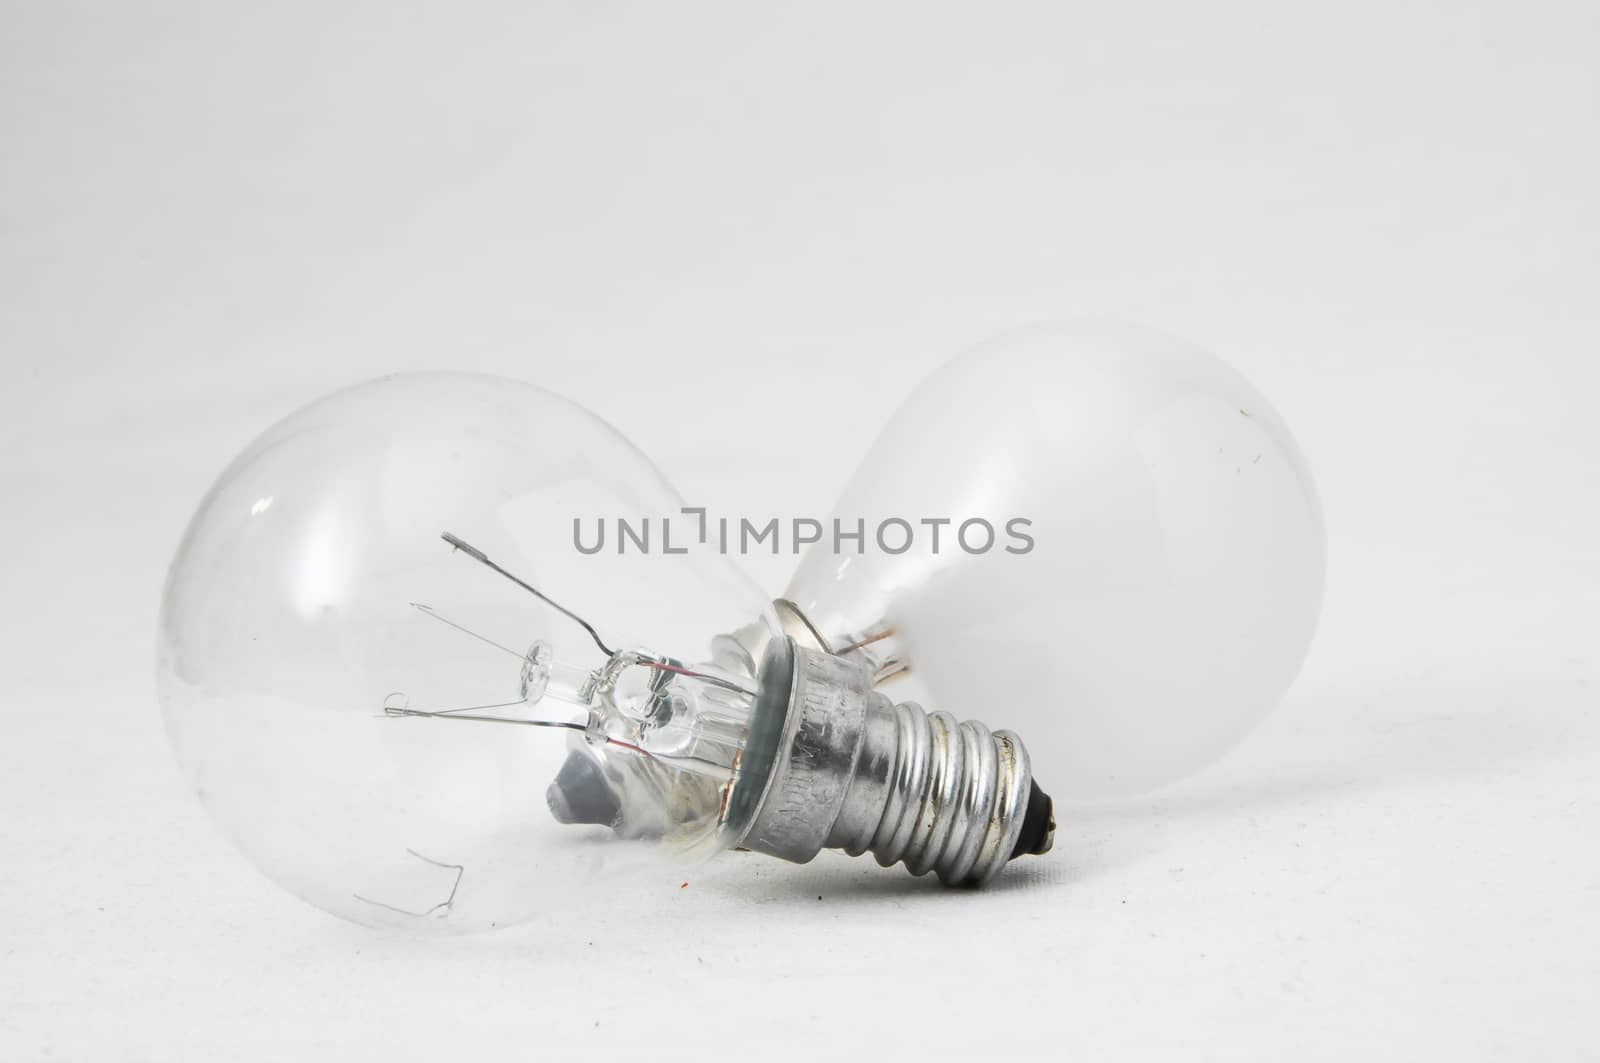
<point x="367" y="675"/>
<point x="1131" y="564"/>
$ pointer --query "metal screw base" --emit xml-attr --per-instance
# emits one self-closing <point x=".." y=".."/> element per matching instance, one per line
<point x="952" y="801"/>
<point x="859" y="773"/>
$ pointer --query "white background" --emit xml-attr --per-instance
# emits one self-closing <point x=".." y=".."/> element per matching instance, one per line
<point x="1386" y="214"/>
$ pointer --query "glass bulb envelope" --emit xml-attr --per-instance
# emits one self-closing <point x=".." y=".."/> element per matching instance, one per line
<point x="1164" y="579"/>
<point x="381" y="648"/>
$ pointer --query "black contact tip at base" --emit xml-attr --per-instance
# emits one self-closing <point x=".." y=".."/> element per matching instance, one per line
<point x="1038" y="825"/>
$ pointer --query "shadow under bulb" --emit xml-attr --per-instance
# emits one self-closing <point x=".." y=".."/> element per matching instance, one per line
<point x="400" y="689"/>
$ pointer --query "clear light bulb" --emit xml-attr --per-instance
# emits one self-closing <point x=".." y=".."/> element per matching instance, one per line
<point x="1132" y="565"/>
<point x="411" y="699"/>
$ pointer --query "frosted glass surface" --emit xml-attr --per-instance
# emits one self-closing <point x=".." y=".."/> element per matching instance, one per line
<point x="1175" y="572"/>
